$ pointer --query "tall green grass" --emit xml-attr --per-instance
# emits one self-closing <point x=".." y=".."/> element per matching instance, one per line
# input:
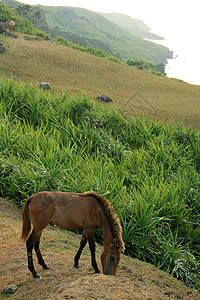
<point x="147" y="169"/>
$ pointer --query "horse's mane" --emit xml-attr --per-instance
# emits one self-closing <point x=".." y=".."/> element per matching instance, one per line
<point x="113" y="219"/>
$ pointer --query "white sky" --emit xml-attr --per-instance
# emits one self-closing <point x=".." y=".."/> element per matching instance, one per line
<point x="178" y="21"/>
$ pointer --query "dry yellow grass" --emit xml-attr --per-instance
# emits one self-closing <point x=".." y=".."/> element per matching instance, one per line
<point x="72" y="71"/>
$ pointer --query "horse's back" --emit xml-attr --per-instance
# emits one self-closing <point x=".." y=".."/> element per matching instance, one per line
<point x="66" y="210"/>
<point x="74" y="211"/>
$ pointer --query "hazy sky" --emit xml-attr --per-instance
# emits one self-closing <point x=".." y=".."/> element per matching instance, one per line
<point x="178" y="21"/>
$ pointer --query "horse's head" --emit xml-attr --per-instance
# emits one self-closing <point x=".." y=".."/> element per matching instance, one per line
<point x="110" y="259"/>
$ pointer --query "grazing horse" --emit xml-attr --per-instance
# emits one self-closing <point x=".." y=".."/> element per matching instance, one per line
<point x="88" y="211"/>
<point x="11" y="24"/>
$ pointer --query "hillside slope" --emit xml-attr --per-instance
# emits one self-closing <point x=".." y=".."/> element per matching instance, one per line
<point x="134" y="280"/>
<point x="88" y="28"/>
<point x="72" y="71"/>
<point x="91" y="25"/>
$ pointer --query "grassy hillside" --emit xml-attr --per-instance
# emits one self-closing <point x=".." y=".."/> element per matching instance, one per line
<point x="148" y="170"/>
<point x="72" y="71"/>
<point x="91" y="25"/>
<point x="88" y="28"/>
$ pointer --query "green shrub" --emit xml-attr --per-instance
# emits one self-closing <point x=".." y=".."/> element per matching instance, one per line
<point x="144" y="66"/>
<point x="7" y="13"/>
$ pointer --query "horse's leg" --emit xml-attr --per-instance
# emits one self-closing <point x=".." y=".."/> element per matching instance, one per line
<point x="39" y="255"/>
<point x="90" y="236"/>
<point x="29" y="247"/>
<point x="82" y="245"/>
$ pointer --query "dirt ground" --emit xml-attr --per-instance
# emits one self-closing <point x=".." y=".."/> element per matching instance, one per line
<point x="134" y="280"/>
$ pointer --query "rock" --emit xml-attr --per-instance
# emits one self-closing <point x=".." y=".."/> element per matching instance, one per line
<point x="9" y="289"/>
<point x="10" y="34"/>
<point x="32" y="38"/>
<point x="2" y="49"/>
<point x="45" y="85"/>
<point x="104" y="98"/>
<point x="2" y="27"/>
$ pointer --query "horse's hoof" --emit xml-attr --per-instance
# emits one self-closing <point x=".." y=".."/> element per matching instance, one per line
<point x="37" y="276"/>
<point x="46" y="267"/>
<point x="97" y="271"/>
<point x="77" y="267"/>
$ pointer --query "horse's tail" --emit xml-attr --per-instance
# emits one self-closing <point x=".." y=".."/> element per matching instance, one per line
<point x="26" y="227"/>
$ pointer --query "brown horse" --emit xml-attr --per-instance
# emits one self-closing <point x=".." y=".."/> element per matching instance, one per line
<point x="88" y="211"/>
<point x="11" y="24"/>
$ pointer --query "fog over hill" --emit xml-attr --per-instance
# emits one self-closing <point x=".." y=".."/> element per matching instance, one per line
<point x="132" y="25"/>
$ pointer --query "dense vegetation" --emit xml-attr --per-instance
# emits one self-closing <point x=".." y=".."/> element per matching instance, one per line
<point x="148" y="170"/>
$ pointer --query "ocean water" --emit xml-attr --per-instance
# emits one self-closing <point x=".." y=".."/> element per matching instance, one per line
<point x="184" y="67"/>
<point x="186" y="62"/>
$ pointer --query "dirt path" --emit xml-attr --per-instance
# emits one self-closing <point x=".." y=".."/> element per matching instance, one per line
<point x="134" y="280"/>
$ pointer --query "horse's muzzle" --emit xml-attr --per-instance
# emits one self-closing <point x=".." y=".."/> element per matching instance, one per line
<point x="108" y="273"/>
